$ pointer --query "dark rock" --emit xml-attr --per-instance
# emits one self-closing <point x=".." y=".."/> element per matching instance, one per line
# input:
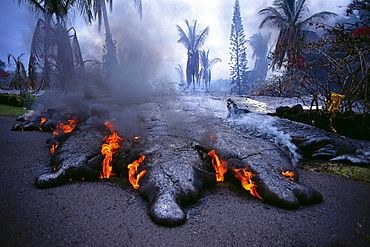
<point x="175" y="143"/>
<point x="266" y="161"/>
<point x="295" y="110"/>
<point x="70" y="160"/>
<point x="316" y="143"/>
<point x="234" y="108"/>
<point x="175" y="177"/>
<point x="281" y="110"/>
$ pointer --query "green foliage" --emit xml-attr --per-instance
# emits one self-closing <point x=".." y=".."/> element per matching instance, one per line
<point x="12" y="110"/>
<point x="353" y="172"/>
<point x="338" y="62"/>
<point x="289" y="17"/>
<point x="343" y="170"/>
<point x="16" y="100"/>
<point x="60" y="8"/>
<point x="11" y="100"/>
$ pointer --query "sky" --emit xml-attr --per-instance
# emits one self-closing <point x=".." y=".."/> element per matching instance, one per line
<point x="151" y="42"/>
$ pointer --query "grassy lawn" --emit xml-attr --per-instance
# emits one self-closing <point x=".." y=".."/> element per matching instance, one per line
<point x="343" y="170"/>
<point x="12" y="111"/>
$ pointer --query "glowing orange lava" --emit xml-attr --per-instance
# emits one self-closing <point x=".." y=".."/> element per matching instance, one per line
<point x="288" y="174"/>
<point x="66" y="128"/>
<point x="245" y="178"/>
<point x="53" y="147"/>
<point x="42" y="120"/>
<point x="137" y="138"/>
<point x="219" y="165"/>
<point x="132" y="171"/>
<point x="108" y="150"/>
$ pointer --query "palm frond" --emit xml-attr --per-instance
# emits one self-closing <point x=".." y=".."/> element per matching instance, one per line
<point x="110" y="3"/>
<point x="309" y="36"/>
<point x="200" y="38"/>
<point x="204" y="58"/>
<point x="98" y="12"/>
<point x="321" y="16"/>
<point x="77" y="55"/>
<point x="183" y="38"/>
<point x="213" y="62"/>
<point x="39" y="64"/>
<point x="259" y="44"/>
<point x="299" y="11"/>
<point x="85" y="9"/>
<point x="273" y="18"/>
<point x="33" y="5"/>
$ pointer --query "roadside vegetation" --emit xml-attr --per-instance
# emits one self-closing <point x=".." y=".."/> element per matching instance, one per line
<point x="12" y="111"/>
<point x="349" y="171"/>
<point x="333" y="68"/>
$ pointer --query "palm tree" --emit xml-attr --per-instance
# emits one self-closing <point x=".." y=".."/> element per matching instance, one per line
<point x="180" y="73"/>
<point x="20" y="80"/>
<point x="59" y="8"/>
<point x="288" y="16"/>
<point x="100" y="12"/>
<point x="55" y="53"/>
<point x="192" y="41"/>
<point x="260" y="46"/>
<point x="207" y="65"/>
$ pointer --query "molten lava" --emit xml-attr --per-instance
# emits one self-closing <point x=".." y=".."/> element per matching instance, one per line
<point x="53" y="147"/>
<point x="219" y="165"/>
<point x="132" y="171"/>
<point x="66" y="128"/>
<point x="108" y="150"/>
<point x="288" y="174"/>
<point x="42" y="120"/>
<point x="245" y="178"/>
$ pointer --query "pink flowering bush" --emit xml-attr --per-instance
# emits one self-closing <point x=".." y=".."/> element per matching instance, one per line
<point x="361" y="31"/>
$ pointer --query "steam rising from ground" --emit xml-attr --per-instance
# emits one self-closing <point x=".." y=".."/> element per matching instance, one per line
<point x="106" y="96"/>
<point x="263" y="126"/>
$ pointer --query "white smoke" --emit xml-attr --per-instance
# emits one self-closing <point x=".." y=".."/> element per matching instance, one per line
<point x="263" y="126"/>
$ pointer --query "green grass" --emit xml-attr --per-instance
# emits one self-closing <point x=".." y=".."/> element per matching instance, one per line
<point x="12" y="111"/>
<point x="353" y="172"/>
<point x="343" y="170"/>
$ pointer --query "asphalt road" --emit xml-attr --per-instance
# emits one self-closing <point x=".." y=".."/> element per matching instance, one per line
<point x="113" y="214"/>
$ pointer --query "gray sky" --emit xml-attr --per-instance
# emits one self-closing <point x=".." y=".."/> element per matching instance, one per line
<point x="152" y="39"/>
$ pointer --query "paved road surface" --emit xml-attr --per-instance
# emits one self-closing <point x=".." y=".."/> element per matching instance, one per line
<point x="112" y="214"/>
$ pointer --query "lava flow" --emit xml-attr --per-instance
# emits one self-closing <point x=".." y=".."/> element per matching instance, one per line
<point x="53" y="147"/>
<point x="132" y="171"/>
<point x="42" y="120"/>
<point x="108" y="150"/>
<point x="288" y="174"/>
<point x="137" y="138"/>
<point x="66" y="128"/>
<point x="245" y="178"/>
<point x="219" y="165"/>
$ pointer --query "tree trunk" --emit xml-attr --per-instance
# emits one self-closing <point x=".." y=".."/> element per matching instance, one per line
<point x="110" y="56"/>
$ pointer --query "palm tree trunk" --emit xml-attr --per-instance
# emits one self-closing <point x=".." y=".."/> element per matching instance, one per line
<point x="111" y="59"/>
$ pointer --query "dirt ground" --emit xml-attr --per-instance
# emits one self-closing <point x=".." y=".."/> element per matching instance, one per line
<point x="113" y="214"/>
